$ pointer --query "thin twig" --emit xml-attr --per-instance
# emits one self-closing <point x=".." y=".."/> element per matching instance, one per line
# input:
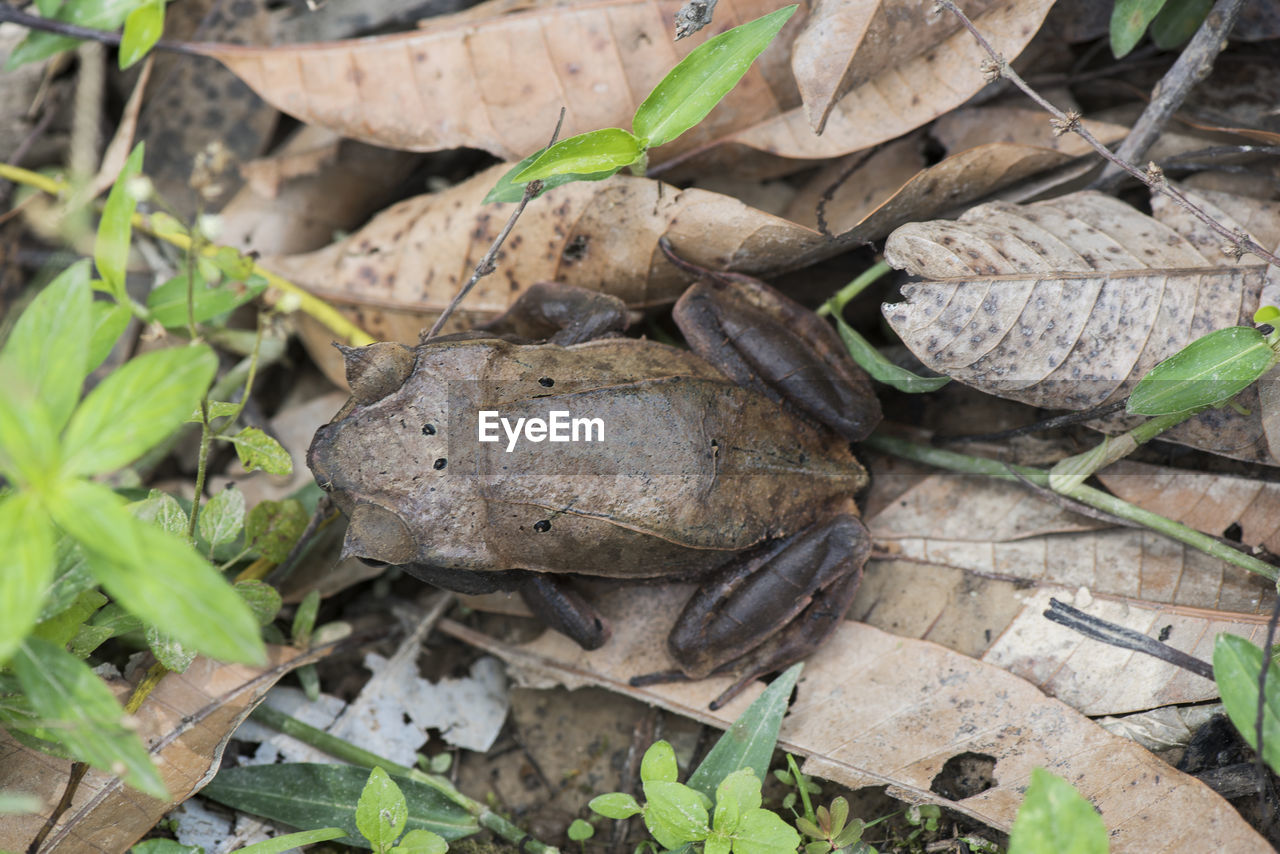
<point x="487" y="263"/>
<point x="1193" y="65"/>
<point x="1153" y="176"/>
<point x="1119" y="636"/>
<point x="1038" y="427"/>
<point x="1262" y="704"/>
<point x="62" y="28"/>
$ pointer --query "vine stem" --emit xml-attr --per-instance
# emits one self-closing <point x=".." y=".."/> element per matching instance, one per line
<point x="307" y="303"/>
<point x="1152" y="177"/>
<point x="1095" y="498"/>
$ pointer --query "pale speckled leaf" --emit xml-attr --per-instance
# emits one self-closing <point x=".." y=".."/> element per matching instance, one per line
<point x="1068" y="303"/>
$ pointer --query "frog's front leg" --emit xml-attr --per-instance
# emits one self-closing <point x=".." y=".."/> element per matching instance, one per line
<point x="771" y="608"/>
<point x="560" y="313"/>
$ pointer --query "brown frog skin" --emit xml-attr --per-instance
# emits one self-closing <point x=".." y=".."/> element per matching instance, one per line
<point x="739" y="476"/>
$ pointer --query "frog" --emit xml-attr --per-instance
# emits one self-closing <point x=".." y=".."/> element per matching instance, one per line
<point x="730" y="464"/>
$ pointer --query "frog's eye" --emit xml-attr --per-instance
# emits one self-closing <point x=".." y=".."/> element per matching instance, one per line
<point x="376" y="533"/>
<point x="375" y="371"/>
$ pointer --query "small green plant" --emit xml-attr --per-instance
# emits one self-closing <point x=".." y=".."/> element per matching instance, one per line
<point x="1056" y="819"/>
<point x="719" y="809"/>
<point x="381" y="815"/>
<point x="682" y="99"/>
<point x="1172" y="22"/>
<point x="84" y="563"/>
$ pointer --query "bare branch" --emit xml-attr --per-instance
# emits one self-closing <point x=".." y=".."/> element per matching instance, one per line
<point x="1071" y="123"/>
<point x="1192" y="66"/>
<point x="487" y="264"/>
<point x="693" y="16"/>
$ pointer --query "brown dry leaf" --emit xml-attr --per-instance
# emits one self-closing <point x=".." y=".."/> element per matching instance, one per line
<point x="305" y="211"/>
<point x="1015" y="535"/>
<point x="1067" y="303"/>
<point x="1212" y="503"/>
<point x="877" y="709"/>
<point x="397" y="273"/>
<point x="185" y="722"/>
<point x="973" y="126"/>
<point x="496" y="81"/>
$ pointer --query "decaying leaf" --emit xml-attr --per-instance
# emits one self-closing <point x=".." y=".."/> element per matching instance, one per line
<point x="185" y="723"/>
<point x="1066" y="303"/>
<point x="496" y="81"/>
<point x="877" y="709"/>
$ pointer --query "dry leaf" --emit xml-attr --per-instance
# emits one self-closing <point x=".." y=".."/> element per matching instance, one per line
<point x="876" y="709"/>
<point x="399" y="271"/>
<point x="185" y="722"/>
<point x="968" y="127"/>
<point x="496" y="82"/>
<point x="1212" y="503"/>
<point x="1067" y="303"/>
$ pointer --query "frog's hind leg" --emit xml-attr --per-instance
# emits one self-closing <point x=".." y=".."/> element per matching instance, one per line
<point x="771" y="609"/>
<point x="562" y="608"/>
<point x="560" y="313"/>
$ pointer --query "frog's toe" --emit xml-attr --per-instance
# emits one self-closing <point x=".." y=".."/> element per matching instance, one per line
<point x="562" y="608"/>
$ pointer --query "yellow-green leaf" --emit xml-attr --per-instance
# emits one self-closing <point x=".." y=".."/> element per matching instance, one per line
<point x="1208" y="371"/>
<point x="587" y="153"/>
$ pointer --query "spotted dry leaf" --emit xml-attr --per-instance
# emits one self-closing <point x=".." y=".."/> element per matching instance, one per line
<point x="1065" y="304"/>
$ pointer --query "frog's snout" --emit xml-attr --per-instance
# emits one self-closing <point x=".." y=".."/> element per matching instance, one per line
<point x="376" y="371"/>
<point x="318" y="455"/>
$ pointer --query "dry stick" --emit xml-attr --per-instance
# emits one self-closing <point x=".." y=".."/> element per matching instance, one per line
<point x="1193" y="65"/>
<point x="1239" y="243"/>
<point x="1119" y="636"/>
<point x="486" y="265"/>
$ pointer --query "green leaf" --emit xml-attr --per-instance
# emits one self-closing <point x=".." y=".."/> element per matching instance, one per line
<point x="674" y="813"/>
<point x="1178" y="22"/>
<point x="1266" y="314"/>
<point x="168" y="651"/>
<point x="1236" y="667"/>
<point x="293" y="840"/>
<point x="736" y="794"/>
<point x="304" y="620"/>
<point x="750" y="741"/>
<point x="1056" y="819"/>
<point x="96" y="14"/>
<point x="59" y="630"/>
<point x="1129" y="20"/>
<point x="111" y="249"/>
<point x="659" y="763"/>
<point x="222" y="518"/>
<point x="78" y="710"/>
<point x="135" y="407"/>
<point x="257" y="450"/>
<point x="307" y="796"/>
<point x="763" y="832"/>
<point x="28" y="439"/>
<point x="1207" y="372"/>
<point x="508" y="191"/>
<point x="615" y="805"/>
<point x="273" y="527"/>
<point x="580" y="831"/>
<point x="158" y="576"/>
<point x="166" y="846"/>
<point x="426" y="842"/>
<point x="142" y="29"/>
<point x="108" y="321"/>
<point x="263" y="599"/>
<point x="693" y="88"/>
<point x="168" y="303"/>
<point x="162" y="510"/>
<point x="71" y="577"/>
<point x="18" y="803"/>
<point x="586" y="153"/>
<point x="49" y="345"/>
<point x="381" y="812"/>
<point x="26" y="542"/>
<point x="881" y="369"/>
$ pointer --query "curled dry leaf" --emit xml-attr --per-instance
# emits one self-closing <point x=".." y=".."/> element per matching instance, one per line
<point x="878" y="709"/>
<point x="185" y="723"/>
<point x="398" y="272"/>
<point x="1065" y="304"/>
<point x="496" y="81"/>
